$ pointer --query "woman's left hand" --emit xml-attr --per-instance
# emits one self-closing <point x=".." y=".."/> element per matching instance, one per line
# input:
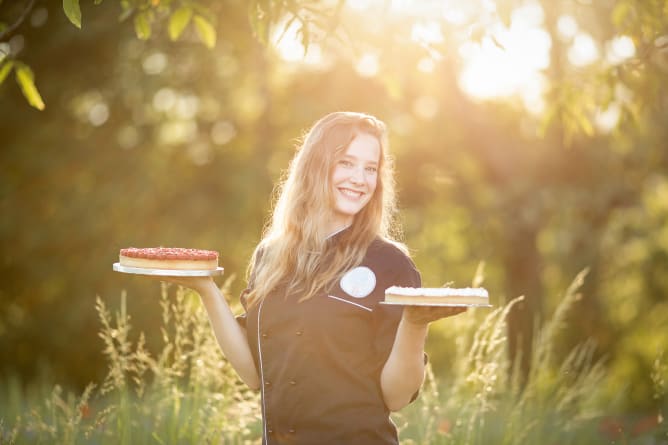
<point x="427" y="314"/>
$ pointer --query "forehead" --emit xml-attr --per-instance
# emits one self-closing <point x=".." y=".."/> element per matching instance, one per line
<point x="365" y="147"/>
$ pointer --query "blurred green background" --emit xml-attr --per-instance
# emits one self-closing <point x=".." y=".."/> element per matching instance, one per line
<point x="530" y="140"/>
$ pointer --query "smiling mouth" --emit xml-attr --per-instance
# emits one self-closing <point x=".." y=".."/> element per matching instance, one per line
<point x="352" y="194"/>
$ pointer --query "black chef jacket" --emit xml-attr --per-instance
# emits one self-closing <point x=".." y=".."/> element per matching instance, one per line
<point x="320" y="360"/>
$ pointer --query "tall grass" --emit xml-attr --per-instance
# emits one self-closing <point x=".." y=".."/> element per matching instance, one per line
<point x="558" y="403"/>
<point x="186" y="393"/>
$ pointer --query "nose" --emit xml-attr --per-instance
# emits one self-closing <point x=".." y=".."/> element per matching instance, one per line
<point x="357" y="176"/>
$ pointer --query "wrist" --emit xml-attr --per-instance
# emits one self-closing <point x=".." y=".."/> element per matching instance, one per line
<point x="413" y="324"/>
<point x="209" y="289"/>
<point x="414" y="319"/>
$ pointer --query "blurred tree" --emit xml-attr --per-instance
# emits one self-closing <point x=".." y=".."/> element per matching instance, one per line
<point x="145" y="14"/>
<point x="168" y="141"/>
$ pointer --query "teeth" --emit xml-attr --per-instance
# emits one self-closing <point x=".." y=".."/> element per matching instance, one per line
<point x="351" y="193"/>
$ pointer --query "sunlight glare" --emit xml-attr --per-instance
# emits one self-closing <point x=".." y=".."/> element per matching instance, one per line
<point x="606" y="120"/>
<point x="288" y="44"/>
<point x="175" y="132"/>
<point x="367" y="65"/>
<point x="457" y="12"/>
<point x="528" y="15"/>
<point x="583" y="51"/>
<point x="360" y="5"/>
<point x="186" y="106"/>
<point x="567" y="27"/>
<point x="155" y="63"/>
<point x="423" y="8"/>
<point x="223" y="132"/>
<point x="164" y="99"/>
<point x="620" y="49"/>
<point x="532" y="93"/>
<point x="426" y="65"/>
<point x="427" y="33"/>
<point x="290" y="48"/>
<point x="98" y="114"/>
<point x="426" y="107"/>
<point x="492" y="72"/>
<point x="455" y="16"/>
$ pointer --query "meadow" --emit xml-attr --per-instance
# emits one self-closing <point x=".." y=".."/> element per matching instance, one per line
<point x="528" y="135"/>
<point x="186" y="393"/>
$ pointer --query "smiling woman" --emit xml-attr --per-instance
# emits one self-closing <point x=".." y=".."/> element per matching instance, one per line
<point x="331" y="362"/>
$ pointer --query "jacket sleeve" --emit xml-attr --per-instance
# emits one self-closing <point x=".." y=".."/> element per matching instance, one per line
<point x="386" y="317"/>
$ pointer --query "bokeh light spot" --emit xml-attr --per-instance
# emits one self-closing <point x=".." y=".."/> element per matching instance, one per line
<point x="155" y="63"/>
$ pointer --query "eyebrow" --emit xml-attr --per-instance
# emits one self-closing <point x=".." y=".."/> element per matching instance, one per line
<point x="346" y="155"/>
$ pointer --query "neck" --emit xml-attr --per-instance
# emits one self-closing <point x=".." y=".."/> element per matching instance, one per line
<point x="334" y="230"/>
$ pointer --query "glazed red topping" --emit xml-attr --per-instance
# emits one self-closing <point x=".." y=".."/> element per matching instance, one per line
<point x="169" y="253"/>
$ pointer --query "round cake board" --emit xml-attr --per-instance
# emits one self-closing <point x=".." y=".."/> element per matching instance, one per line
<point x="168" y="272"/>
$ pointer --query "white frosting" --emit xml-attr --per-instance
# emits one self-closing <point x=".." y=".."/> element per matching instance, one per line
<point x="438" y="291"/>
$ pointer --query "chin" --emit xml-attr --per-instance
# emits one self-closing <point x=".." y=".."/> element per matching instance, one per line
<point x="349" y="210"/>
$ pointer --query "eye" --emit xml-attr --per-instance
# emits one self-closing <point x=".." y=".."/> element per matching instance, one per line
<point x="345" y="163"/>
<point x="371" y="169"/>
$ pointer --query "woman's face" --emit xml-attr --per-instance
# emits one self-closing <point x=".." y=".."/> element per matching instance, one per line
<point x="354" y="179"/>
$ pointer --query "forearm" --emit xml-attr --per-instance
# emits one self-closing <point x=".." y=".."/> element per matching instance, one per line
<point x="230" y="335"/>
<point x="403" y="372"/>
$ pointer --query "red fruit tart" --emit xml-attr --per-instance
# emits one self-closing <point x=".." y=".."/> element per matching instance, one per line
<point x="170" y="258"/>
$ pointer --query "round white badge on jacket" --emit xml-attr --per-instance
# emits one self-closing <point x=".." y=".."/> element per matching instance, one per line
<point x="358" y="282"/>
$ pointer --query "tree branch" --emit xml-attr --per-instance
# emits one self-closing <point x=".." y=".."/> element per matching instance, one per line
<point x="10" y="31"/>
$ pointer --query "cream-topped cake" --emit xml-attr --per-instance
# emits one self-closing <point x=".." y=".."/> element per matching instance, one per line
<point x="437" y="295"/>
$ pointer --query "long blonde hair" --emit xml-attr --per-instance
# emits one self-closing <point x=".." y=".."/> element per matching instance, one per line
<point x="294" y="251"/>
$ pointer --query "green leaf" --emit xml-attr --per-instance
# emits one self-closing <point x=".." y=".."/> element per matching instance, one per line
<point x="5" y="69"/>
<point x="142" y="26"/>
<point x="26" y="81"/>
<point x="206" y="31"/>
<point x="73" y="11"/>
<point x="178" y="21"/>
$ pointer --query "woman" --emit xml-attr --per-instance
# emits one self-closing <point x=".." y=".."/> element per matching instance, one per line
<point x="330" y="361"/>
